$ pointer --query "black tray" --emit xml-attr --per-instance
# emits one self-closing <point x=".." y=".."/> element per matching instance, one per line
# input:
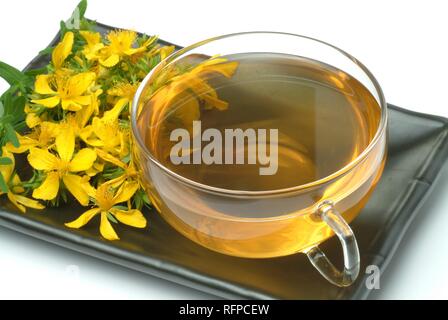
<point x="418" y="148"/>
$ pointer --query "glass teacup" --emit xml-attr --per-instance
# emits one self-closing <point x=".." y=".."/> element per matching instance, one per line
<point x="330" y="145"/>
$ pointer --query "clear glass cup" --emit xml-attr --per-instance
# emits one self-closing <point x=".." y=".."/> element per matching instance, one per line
<point x="268" y="223"/>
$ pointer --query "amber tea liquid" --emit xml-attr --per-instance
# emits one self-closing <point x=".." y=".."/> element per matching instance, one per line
<point x="325" y="119"/>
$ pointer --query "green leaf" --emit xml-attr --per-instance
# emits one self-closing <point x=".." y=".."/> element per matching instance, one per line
<point x="2" y="109"/>
<point x="124" y="208"/>
<point x="35" y="72"/>
<point x="12" y="75"/>
<point x="12" y="89"/>
<point x="63" y="195"/>
<point x="126" y="158"/>
<point x="44" y="52"/>
<point x="62" y="28"/>
<point x="7" y="102"/>
<point x="111" y="218"/>
<point x="13" y="115"/>
<point x="82" y="7"/>
<point x="146" y="199"/>
<point x="20" y="126"/>
<point x="4" y="161"/>
<point x="3" y="185"/>
<point x="11" y="135"/>
<point x="18" y="108"/>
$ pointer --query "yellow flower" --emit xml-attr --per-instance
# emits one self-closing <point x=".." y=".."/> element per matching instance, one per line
<point x="106" y="198"/>
<point x="125" y="93"/>
<point x="113" y="114"/>
<point x="121" y="44"/>
<point x="78" y="120"/>
<point x="106" y="135"/>
<point x="93" y="46"/>
<point x="163" y="51"/>
<point x="45" y="132"/>
<point x="32" y="120"/>
<point x="42" y="136"/>
<point x="186" y="88"/>
<point x="129" y="171"/>
<point x="14" y="186"/>
<point x="68" y="90"/>
<point x="62" y="167"/>
<point x="62" y="50"/>
<point x="97" y="167"/>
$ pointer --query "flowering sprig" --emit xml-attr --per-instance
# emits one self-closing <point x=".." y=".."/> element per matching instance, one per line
<point x="69" y="122"/>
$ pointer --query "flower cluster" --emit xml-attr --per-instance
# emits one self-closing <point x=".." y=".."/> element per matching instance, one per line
<point x="77" y="133"/>
<point x="68" y="123"/>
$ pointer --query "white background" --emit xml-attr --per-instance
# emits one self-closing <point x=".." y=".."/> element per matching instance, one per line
<point x="404" y="44"/>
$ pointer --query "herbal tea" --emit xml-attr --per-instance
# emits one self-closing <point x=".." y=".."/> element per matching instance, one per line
<point x="322" y="119"/>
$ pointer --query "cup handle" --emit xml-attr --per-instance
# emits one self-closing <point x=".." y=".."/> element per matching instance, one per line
<point x="317" y="257"/>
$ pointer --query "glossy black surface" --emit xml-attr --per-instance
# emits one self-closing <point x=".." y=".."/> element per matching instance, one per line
<point x="418" y="148"/>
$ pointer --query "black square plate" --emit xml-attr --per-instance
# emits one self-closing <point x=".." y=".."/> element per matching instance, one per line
<point x="418" y="148"/>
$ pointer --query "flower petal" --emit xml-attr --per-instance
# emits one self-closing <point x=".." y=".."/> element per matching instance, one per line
<point x="106" y="229"/>
<point x="42" y="159"/>
<point x="212" y="101"/>
<point x="27" y="202"/>
<point x="71" y="105"/>
<point x="218" y="65"/>
<point x="49" y="130"/>
<point x="126" y="191"/>
<point x="83" y="219"/>
<point x="83" y="160"/>
<point x="79" y="83"/>
<point x="113" y="114"/>
<point x="25" y="145"/>
<point x="117" y="182"/>
<point x="83" y="100"/>
<point x="42" y="84"/>
<point x="89" y="109"/>
<point x="47" y="102"/>
<point x="32" y="120"/>
<point x="74" y="185"/>
<point x="65" y="144"/>
<point x="16" y="184"/>
<point x="165" y="51"/>
<point x="6" y="170"/>
<point x="110" y="158"/>
<point x="13" y="200"/>
<point x="91" y="191"/>
<point x="150" y="41"/>
<point x="92" y="38"/>
<point x="62" y="50"/>
<point x="48" y="190"/>
<point x="133" y="218"/>
<point x="110" y="61"/>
